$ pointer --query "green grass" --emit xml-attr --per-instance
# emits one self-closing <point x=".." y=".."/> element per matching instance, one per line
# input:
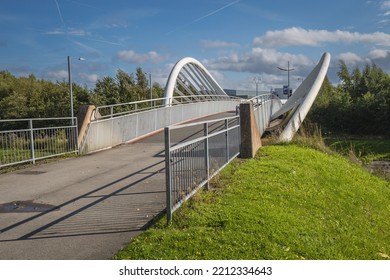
<point x="290" y="202"/>
<point x="366" y="149"/>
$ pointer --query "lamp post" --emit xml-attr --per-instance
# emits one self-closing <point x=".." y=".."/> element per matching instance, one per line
<point x="70" y="86"/>
<point x="288" y="76"/>
<point x="257" y="82"/>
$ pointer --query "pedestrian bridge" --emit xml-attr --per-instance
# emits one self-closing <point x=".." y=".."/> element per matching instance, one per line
<point x="108" y="198"/>
<point x="192" y="93"/>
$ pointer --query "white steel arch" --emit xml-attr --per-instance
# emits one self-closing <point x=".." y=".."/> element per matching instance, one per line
<point x="302" y="99"/>
<point x="190" y="81"/>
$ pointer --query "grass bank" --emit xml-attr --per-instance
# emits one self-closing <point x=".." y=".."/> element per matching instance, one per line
<point x="290" y="202"/>
<point x="367" y="149"/>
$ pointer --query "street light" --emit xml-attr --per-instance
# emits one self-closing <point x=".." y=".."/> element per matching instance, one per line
<point x="70" y="87"/>
<point x="288" y="76"/>
<point x="257" y="82"/>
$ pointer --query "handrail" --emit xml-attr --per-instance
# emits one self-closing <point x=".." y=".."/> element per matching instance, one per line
<point x="179" y="99"/>
<point x="173" y="127"/>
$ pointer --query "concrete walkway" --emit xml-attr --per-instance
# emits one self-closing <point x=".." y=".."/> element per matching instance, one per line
<point x="101" y="201"/>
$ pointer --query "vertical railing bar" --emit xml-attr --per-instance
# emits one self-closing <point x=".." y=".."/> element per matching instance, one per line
<point x="179" y="174"/>
<point x="190" y="181"/>
<point x="227" y="140"/>
<point x="184" y="170"/>
<point x="188" y="160"/>
<point x="168" y="174"/>
<point x="173" y="174"/>
<point x="188" y="163"/>
<point x="30" y="124"/>
<point x="206" y="148"/>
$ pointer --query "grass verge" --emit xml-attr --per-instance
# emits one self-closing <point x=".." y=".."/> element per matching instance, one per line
<point x="367" y="149"/>
<point x="290" y="202"/>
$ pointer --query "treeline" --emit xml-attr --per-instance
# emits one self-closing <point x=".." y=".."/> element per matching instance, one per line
<point x="359" y="105"/>
<point x="29" y="97"/>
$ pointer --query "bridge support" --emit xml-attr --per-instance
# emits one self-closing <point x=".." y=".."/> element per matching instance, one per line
<point x="84" y="117"/>
<point x="250" y="136"/>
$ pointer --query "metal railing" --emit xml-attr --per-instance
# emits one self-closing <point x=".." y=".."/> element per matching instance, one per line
<point x="263" y="107"/>
<point x="115" y="110"/>
<point x="109" y="132"/>
<point x="28" y="140"/>
<point x="190" y="165"/>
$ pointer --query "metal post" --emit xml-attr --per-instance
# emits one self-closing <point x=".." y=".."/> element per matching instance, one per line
<point x="151" y="90"/>
<point x="168" y="174"/>
<point x="227" y="140"/>
<point x="257" y="81"/>
<point x="76" y="136"/>
<point x="70" y="89"/>
<point x="288" y="78"/>
<point x="207" y="153"/>
<point x="30" y="126"/>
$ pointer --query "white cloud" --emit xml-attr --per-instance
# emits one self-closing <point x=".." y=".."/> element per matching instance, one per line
<point x="385" y="7"/>
<point x="78" y="32"/>
<point x="297" y="36"/>
<point x="351" y="58"/>
<point x="258" y="60"/>
<point x="379" y="54"/>
<point x="69" y="31"/>
<point x="58" y="75"/>
<point x="55" y="32"/>
<point x="218" y="44"/>
<point x="89" y="78"/>
<point x="136" y="58"/>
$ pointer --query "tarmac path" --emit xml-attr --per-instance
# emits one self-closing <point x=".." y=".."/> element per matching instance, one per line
<point x="87" y="207"/>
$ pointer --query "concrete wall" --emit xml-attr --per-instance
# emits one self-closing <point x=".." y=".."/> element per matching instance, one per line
<point x="250" y="136"/>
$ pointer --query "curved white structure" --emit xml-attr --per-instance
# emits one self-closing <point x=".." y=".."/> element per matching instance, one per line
<point x="190" y="84"/>
<point x="301" y="101"/>
<point x="190" y="80"/>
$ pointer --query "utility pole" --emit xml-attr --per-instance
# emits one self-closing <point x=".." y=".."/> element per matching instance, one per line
<point x="257" y="82"/>
<point x="151" y="89"/>
<point x="288" y="76"/>
<point x="70" y="89"/>
<point x="70" y="86"/>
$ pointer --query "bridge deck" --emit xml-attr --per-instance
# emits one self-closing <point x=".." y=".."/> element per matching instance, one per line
<point x="104" y="199"/>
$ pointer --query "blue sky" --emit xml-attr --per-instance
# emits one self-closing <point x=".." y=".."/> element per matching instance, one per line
<point x="236" y="40"/>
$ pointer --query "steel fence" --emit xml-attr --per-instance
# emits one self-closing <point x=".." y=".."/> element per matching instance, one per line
<point x="28" y="140"/>
<point x="190" y="165"/>
<point x="108" y="132"/>
<point x="116" y="110"/>
<point x="264" y="106"/>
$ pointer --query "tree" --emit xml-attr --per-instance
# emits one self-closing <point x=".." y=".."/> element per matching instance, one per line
<point x="158" y="91"/>
<point x="344" y="76"/>
<point x="360" y="104"/>
<point x="142" y="90"/>
<point x="126" y="86"/>
<point x="107" y="90"/>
